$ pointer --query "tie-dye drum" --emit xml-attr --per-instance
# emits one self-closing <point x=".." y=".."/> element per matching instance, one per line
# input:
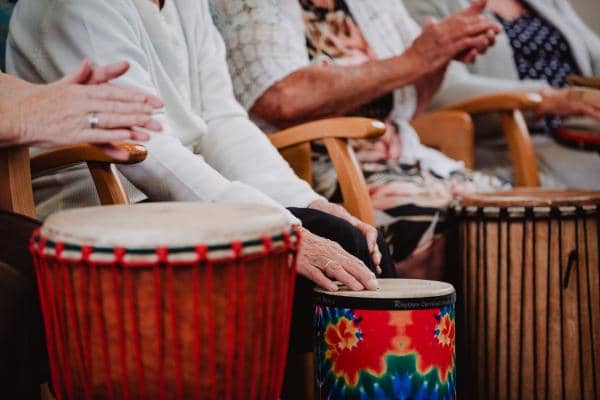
<point x="396" y="343"/>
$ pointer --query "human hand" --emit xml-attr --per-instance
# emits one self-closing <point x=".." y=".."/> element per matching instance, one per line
<point x="460" y="36"/>
<point x="367" y="230"/>
<point x="322" y="261"/>
<point x="567" y="103"/>
<point x="59" y="114"/>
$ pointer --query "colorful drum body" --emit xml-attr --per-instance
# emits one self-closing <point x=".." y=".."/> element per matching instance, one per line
<point x="529" y="295"/>
<point x="396" y="343"/>
<point x="166" y="300"/>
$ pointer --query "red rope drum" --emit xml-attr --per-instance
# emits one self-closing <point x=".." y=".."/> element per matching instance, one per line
<point x="167" y="301"/>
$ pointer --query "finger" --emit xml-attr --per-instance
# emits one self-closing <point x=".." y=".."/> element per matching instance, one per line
<point x="113" y="151"/>
<point x="334" y="270"/>
<point x="591" y="111"/>
<point x="96" y="136"/>
<point x="476" y="7"/>
<point x="140" y="136"/>
<point x="111" y="92"/>
<point x="430" y="21"/>
<point x="118" y="107"/>
<point x="112" y="121"/>
<point x="80" y="75"/>
<point x="107" y="73"/>
<point x="358" y="270"/>
<point x="315" y="275"/>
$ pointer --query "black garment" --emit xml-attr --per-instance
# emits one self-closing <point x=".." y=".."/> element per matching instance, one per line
<point x="540" y="51"/>
<point x="23" y="359"/>
<point x="351" y="240"/>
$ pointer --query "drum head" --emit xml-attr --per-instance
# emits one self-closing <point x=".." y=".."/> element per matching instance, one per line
<point x="164" y="224"/>
<point x="532" y="198"/>
<point x="394" y="294"/>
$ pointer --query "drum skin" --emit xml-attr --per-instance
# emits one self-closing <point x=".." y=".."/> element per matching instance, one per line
<point x="529" y="296"/>
<point x="166" y="324"/>
<point x="393" y="346"/>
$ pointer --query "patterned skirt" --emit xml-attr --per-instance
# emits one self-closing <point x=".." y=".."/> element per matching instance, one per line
<point x="411" y="207"/>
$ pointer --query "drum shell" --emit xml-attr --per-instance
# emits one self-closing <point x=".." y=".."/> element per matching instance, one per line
<point x="385" y="353"/>
<point x="203" y="330"/>
<point x="529" y="298"/>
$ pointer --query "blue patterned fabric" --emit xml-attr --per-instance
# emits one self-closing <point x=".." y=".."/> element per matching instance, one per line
<point x="5" y="11"/>
<point x="540" y="52"/>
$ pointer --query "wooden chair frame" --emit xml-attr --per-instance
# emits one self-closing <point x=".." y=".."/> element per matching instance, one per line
<point x="16" y="169"/>
<point x="510" y="106"/>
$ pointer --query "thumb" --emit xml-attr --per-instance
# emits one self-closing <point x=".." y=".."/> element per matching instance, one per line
<point x="80" y="75"/>
<point x="476" y="7"/>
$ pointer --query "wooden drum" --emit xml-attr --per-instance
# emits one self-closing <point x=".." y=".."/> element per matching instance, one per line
<point x="166" y="300"/>
<point x="395" y="343"/>
<point x="529" y="295"/>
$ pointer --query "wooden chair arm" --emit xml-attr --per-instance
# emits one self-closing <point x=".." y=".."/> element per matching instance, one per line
<point x="294" y="145"/>
<point x="344" y="128"/>
<point x="451" y="132"/>
<point x="108" y="185"/>
<point x="510" y="106"/>
<point x="16" y="194"/>
<point x="506" y="101"/>
<point x="63" y="156"/>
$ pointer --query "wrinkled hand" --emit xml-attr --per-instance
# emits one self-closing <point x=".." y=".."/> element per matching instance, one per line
<point x="567" y="103"/>
<point x="369" y="231"/>
<point x="323" y="261"/>
<point x="58" y="114"/>
<point x="461" y="36"/>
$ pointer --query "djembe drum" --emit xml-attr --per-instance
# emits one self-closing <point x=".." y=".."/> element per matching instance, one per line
<point x="529" y="295"/>
<point x="395" y="343"/>
<point x="167" y="300"/>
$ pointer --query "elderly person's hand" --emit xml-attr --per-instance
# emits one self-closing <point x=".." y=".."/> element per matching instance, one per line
<point x="458" y="37"/>
<point x="323" y="261"/>
<point x="369" y="231"/>
<point x="567" y="103"/>
<point x="81" y="108"/>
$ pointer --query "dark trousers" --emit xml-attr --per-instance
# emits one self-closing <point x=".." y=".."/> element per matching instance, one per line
<point x="23" y="360"/>
<point x="351" y="240"/>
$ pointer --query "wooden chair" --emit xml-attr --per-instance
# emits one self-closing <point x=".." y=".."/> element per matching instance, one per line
<point x="16" y="169"/>
<point x="449" y="131"/>
<point x="510" y="106"/>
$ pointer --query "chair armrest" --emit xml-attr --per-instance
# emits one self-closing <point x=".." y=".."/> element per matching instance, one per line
<point x="294" y="146"/>
<point x="506" y="101"/>
<point x="451" y="132"/>
<point x="63" y="156"/>
<point x="343" y="128"/>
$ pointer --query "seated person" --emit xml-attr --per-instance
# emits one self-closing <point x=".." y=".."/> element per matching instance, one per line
<point x="51" y="115"/>
<point x="543" y="42"/>
<point x="209" y="150"/>
<point x="296" y="60"/>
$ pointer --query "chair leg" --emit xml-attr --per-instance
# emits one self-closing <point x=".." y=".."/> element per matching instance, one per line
<point x="109" y="186"/>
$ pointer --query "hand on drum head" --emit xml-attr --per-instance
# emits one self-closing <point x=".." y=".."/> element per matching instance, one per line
<point x="367" y="230"/>
<point x="322" y="261"/>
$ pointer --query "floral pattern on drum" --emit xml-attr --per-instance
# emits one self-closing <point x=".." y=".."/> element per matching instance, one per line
<point x="376" y="354"/>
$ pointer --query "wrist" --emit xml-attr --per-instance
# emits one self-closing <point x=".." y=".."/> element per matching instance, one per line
<point x="9" y="132"/>
<point x="550" y="97"/>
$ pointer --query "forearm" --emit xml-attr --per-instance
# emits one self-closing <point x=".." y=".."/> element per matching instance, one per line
<point x="326" y="91"/>
<point x="253" y="160"/>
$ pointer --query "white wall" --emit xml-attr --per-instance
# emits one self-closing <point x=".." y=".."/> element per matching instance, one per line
<point x="589" y="10"/>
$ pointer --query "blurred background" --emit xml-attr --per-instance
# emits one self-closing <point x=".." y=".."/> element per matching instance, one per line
<point x="589" y="10"/>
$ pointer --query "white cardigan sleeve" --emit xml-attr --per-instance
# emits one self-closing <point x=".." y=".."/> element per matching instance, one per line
<point x="102" y="32"/>
<point x="232" y="136"/>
